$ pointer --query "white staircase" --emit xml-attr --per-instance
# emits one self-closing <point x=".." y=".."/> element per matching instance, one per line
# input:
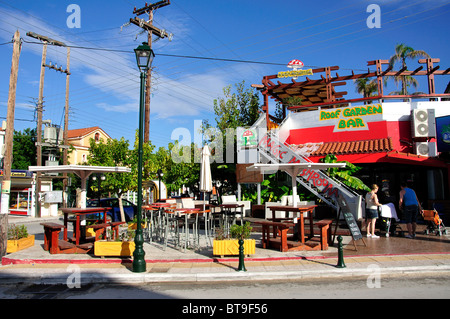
<point x="272" y="150"/>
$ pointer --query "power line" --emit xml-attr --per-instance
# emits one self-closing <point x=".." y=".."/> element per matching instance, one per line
<point x="169" y="55"/>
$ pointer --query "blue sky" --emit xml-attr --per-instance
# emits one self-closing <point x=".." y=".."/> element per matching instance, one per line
<point x="104" y="85"/>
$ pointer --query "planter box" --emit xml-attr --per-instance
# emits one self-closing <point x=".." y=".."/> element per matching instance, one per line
<point x="231" y="247"/>
<point x="16" y="245"/>
<point x="90" y="232"/>
<point x="134" y="226"/>
<point x="114" y="248"/>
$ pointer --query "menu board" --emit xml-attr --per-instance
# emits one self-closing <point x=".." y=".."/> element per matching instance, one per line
<point x="349" y="218"/>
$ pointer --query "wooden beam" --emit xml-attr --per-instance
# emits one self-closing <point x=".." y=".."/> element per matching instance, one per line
<point x="423" y="61"/>
<point x="149" y="27"/>
<point x="434" y="69"/>
<point x="387" y="70"/>
<point x="399" y="72"/>
<point x="374" y="62"/>
<point x="417" y="70"/>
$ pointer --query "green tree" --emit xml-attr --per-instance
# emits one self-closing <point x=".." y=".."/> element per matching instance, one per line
<point x="113" y="152"/>
<point x="403" y="52"/>
<point x="345" y="175"/>
<point x="24" y="149"/>
<point x="236" y="109"/>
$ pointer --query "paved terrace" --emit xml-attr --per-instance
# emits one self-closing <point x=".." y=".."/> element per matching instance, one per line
<point x="388" y="256"/>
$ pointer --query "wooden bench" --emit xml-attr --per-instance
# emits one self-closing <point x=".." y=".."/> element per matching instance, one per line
<point x="281" y="229"/>
<point x="54" y="245"/>
<point x="325" y="232"/>
<point x="115" y="228"/>
<point x="99" y="229"/>
<point x="51" y="236"/>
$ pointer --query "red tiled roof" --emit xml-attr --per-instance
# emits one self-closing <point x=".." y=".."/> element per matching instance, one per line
<point x="81" y="131"/>
<point x="355" y="147"/>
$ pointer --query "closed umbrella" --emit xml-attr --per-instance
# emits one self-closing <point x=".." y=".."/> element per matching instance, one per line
<point x="205" y="182"/>
<point x="205" y="173"/>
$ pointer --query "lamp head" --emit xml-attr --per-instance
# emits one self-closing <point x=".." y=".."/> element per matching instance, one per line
<point x="144" y="56"/>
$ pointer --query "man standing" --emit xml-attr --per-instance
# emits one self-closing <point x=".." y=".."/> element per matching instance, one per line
<point x="411" y="207"/>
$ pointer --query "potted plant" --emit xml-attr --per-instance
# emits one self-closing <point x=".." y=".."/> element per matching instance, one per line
<point x="123" y="246"/>
<point x="224" y="245"/>
<point x="133" y="223"/>
<point x="18" y="238"/>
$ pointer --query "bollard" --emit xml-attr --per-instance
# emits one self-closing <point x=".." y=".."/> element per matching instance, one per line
<point x="241" y="256"/>
<point x="341" y="263"/>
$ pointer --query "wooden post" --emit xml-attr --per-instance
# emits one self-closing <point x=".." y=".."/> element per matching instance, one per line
<point x="6" y="183"/>
<point x="40" y="109"/>
<point x="66" y="126"/>
<point x="430" y="75"/>
<point x="147" y="88"/>
<point x="379" y="77"/>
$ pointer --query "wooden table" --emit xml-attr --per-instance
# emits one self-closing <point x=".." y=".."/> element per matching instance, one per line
<point x="78" y="212"/>
<point x="299" y="209"/>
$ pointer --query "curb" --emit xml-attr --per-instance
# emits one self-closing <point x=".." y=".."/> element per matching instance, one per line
<point x="92" y="276"/>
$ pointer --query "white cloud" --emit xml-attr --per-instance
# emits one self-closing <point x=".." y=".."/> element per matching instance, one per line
<point x="116" y="78"/>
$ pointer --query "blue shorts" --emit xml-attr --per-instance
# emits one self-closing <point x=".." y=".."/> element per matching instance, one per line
<point x="410" y="214"/>
<point x="371" y="213"/>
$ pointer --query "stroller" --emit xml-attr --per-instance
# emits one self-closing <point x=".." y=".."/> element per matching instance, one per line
<point x="435" y="223"/>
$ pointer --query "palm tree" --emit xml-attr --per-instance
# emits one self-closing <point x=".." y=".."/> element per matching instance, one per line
<point x="366" y="87"/>
<point x="403" y="52"/>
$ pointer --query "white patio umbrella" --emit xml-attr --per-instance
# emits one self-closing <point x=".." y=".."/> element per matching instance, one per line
<point x="205" y="182"/>
<point x="205" y="173"/>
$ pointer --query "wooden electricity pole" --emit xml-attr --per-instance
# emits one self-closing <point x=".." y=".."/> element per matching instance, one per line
<point x="151" y="29"/>
<point x="40" y="108"/>
<point x="66" y="126"/>
<point x="6" y="182"/>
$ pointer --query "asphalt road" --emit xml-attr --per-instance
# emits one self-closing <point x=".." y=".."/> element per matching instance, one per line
<point x="426" y="286"/>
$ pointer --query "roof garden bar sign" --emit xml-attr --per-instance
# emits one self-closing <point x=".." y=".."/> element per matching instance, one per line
<point x="296" y="66"/>
<point x="352" y="118"/>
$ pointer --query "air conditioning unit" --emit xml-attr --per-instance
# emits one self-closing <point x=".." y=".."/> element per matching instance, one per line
<point x="423" y="123"/>
<point x="426" y="149"/>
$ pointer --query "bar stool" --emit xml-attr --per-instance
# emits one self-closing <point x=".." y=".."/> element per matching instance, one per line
<point x="171" y="227"/>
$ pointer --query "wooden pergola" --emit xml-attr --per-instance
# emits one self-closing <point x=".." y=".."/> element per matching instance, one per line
<point x="323" y="91"/>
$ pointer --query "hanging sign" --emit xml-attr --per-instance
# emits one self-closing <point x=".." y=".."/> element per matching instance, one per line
<point x="296" y="66"/>
<point x="294" y="74"/>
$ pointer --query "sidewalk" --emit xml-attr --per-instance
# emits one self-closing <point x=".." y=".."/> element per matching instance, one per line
<point x="382" y="256"/>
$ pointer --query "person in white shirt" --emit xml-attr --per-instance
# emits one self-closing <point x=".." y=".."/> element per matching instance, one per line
<point x="372" y="211"/>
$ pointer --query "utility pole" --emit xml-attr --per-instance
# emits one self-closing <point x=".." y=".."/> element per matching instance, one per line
<point x="40" y="108"/>
<point x="6" y="182"/>
<point x="66" y="126"/>
<point x="151" y="29"/>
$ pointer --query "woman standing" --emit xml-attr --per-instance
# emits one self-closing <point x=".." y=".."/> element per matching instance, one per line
<point x="372" y="211"/>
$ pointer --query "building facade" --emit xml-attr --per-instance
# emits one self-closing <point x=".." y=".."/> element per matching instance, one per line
<point x="79" y="139"/>
<point x="394" y="138"/>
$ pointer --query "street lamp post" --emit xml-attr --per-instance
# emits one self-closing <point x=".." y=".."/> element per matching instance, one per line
<point x="144" y="57"/>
